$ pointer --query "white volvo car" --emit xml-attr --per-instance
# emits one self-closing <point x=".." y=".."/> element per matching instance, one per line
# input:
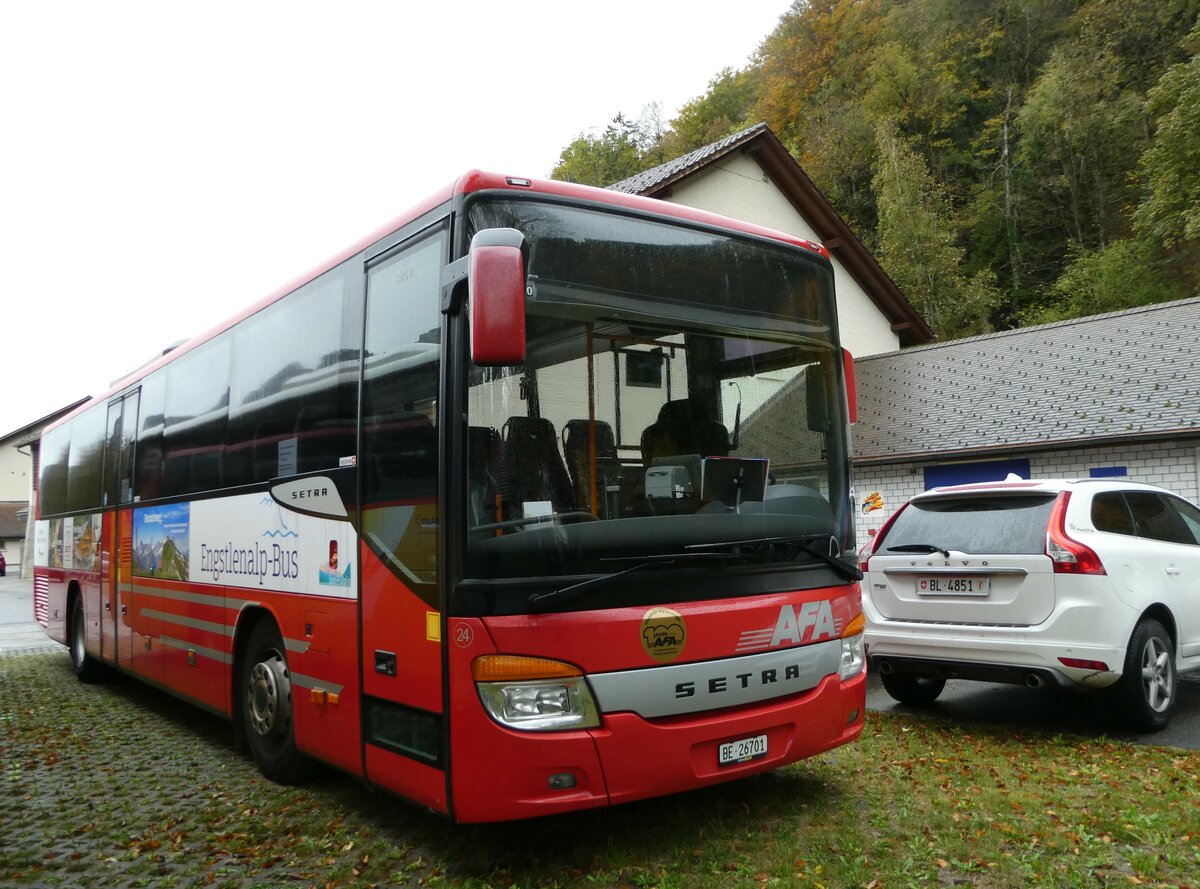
<point x="1092" y="583"/>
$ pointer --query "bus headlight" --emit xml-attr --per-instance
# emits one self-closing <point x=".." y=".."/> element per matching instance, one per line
<point x="534" y="694"/>
<point x="853" y="652"/>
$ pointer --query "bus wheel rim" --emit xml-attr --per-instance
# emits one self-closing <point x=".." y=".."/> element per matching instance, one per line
<point x="269" y="696"/>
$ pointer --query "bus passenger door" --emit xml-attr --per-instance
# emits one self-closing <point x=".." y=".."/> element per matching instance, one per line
<point x="116" y="588"/>
<point x="398" y="463"/>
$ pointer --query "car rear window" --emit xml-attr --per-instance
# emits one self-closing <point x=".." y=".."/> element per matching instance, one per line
<point x="995" y="524"/>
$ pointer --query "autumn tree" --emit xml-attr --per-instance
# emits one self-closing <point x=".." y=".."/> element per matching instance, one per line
<point x="1054" y="143"/>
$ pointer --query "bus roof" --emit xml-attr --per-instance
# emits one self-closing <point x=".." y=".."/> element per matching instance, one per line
<point x="471" y="182"/>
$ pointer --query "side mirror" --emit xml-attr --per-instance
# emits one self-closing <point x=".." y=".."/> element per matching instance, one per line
<point x="851" y="385"/>
<point x="496" y="282"/>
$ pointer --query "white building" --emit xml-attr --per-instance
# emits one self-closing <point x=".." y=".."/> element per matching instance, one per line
<point x="1109" y="395"/>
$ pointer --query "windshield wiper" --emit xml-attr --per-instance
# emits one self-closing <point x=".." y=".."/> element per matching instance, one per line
<point x="723" y="551"/>
<point x="658" y="560"/>
<point x="804" y="542"/>
<point x="917" y="548"/>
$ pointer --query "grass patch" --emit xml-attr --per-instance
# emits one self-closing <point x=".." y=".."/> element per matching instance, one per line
<point x="119" y="785"/>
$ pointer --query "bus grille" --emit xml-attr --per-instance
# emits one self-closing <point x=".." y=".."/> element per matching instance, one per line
<point x="41" y="601"/>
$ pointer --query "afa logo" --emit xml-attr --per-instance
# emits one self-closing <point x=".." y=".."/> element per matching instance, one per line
<point x="663" y="634"/>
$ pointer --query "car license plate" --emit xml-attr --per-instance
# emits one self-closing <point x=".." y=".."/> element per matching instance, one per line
<point x="742" y="750"/>
<point x="949" y="585"/>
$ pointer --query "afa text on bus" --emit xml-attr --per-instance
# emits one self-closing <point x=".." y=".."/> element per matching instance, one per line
<point x="536" y="500"/>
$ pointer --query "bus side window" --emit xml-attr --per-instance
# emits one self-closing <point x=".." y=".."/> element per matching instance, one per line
<point x="294" y="392"/>
<point x="401" y="365"/>
<point x="147" y="483"/>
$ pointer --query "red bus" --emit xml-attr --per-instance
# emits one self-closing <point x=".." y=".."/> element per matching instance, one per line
<point x="536" y="500"/>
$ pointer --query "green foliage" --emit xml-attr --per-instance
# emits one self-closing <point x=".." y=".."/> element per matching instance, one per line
<point x="725" y="109"/>
<point x="602" y="158"/>
<point x="917" y="245"/>
<point x="1079" y="128"/>
<point x="1124" y="274"/>
<point x="1170" y="166"/>
<point x="1060" y="144"/>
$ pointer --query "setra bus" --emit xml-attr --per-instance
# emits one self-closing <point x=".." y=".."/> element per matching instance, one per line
<point x="536" y="500"/>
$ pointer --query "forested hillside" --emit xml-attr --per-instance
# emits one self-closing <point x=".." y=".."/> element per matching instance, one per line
<point x="1009" y="162"/>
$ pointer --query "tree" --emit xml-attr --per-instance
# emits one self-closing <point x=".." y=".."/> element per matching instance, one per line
<point x="601" y="159"/>
<point x="726" y="108"/>
<point x="1124" y="274"/>
<point x="1080" y="130"/>
<point x="1170" y="167"/>
<point x="917" y="242"/>
<point x="623" y="149"/>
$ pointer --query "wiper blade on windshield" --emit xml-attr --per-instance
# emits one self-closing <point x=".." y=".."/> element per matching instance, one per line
<point x="917" y="548"/>
<point x="722" y="551"/>
<point x="663" y="560"/>
<point x="803" y="542"/>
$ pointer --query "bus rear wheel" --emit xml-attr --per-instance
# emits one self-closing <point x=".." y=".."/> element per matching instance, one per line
<point x="267" y="714"/>
<point x="86" y="667"/>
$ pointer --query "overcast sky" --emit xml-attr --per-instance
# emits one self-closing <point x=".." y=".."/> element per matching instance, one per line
<point x="164" y="165"/>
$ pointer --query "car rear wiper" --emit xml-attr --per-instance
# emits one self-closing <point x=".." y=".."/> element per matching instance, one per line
<point x="658" y="560"/>
<point x="804" y="542"/>
<point x="917" y="548"/>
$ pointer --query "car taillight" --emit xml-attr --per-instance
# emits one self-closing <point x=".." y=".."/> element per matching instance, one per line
<point x="864" y="555"/>
<point x="1069" y="556"/>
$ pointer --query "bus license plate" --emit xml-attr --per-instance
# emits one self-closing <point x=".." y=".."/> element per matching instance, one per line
<point x="947" y="585"/>
<point x="742" y="750"/>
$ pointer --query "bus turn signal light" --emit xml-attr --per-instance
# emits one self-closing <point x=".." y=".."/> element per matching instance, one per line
<point x="854" y="654"/>
<point x="856" y="626"/>
<point x="517" y="668"/>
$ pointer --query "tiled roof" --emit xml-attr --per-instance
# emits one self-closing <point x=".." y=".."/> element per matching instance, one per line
<point x="650" y="180"/>
<point x="1128" y="374"/>
<point x="12" y="525"/>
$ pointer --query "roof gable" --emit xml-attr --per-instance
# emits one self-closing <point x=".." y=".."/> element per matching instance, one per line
<point x="777" y="163"/>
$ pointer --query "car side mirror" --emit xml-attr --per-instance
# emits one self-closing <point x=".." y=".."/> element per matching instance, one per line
<point x="496" y="295"/>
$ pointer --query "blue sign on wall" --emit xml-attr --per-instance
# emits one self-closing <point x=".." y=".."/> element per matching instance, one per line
<point x="973" y="473"/>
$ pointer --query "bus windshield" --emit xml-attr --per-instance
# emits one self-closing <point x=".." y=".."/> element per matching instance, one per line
<point x="680" y="405"/>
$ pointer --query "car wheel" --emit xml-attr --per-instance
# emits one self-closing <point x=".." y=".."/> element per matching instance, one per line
<point x="912" y="688"/>
<point x="86" y="667"/>
<point x="1147" y="691"/>
<point x="267" y="714"/>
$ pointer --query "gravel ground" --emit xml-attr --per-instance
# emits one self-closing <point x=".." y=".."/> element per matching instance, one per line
<point x="120" y="785"/>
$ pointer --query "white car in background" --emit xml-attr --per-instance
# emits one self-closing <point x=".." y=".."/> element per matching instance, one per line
<point x="1092" y="583"/>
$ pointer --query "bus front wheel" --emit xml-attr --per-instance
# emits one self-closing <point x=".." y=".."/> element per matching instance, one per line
<point x="267" y="720"/>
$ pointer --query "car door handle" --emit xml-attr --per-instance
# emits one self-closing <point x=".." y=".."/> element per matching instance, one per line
<point x="1172" y="570"/>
